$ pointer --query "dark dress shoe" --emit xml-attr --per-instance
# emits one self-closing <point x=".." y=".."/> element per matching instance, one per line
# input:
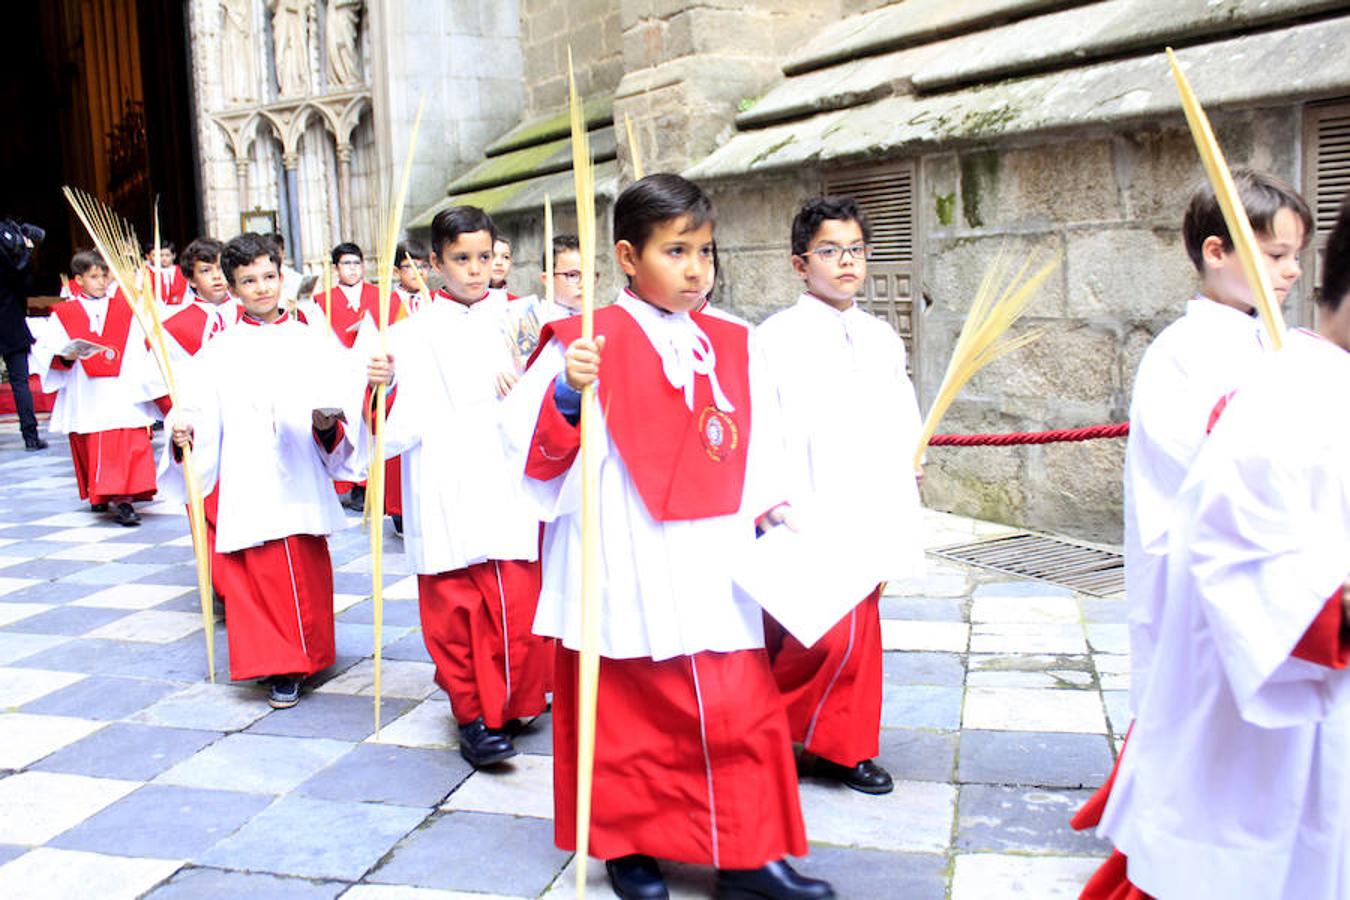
<point x="34" y="444"/>
<point x="98" y="507"/>
<point x="398" y="524"/>
<point x="481" y="746"/>
<point x="866" y="777"/>
<point x="775" y="881"/>
<point x="636" y="877"/>
<point x="127" y="515"/>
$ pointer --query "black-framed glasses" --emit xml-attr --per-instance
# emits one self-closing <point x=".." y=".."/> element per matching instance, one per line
<point x="571" y="276"/>
<point x="831" y="252"/>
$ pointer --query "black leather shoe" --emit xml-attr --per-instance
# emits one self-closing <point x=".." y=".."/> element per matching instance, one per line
<point x="481" y="746"/>
<point x="34" y="444"/>
<point x="127" y="515"/>
<point x="776" y="881"/>
<point x="866" y="777"/>
<point x="636" y="877"/>
<point x="98" y="507"/>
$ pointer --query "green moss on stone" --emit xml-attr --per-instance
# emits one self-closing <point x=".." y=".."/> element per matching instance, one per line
<point x="771" y="150"/>
<point x="597" y="111"/>
<point x="516" y="166"/>
<point x="979" y="172"/>
<point x="946" y="207"/>
<point x="493" y="199"/>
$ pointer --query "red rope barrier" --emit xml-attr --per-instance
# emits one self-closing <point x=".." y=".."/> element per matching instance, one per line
<point x="1091" y="432"/>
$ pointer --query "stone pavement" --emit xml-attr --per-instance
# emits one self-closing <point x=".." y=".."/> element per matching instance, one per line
<point x="123" y="773"/>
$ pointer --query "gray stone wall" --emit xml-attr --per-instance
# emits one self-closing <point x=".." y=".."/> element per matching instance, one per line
<point x="466" y="58"/>
<point x="1110" y="205"/>
<point x="591" y="28"/>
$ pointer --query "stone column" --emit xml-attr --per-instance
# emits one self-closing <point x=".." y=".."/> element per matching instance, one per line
<point x="291" y="163"/>
<point x="344" y="183"/>
<point x="241" y="179"/>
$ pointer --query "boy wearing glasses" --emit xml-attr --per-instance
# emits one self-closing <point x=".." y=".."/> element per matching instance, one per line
<point x="566" y="279"/>
<point x="351" y="299"/>
<point x="845" y="397"/>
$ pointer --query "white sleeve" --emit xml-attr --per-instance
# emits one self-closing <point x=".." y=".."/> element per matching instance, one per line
<point x="49" y="341"/>
<point x="1268" y="546"/>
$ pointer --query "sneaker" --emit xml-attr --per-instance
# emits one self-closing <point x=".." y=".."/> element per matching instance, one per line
<point x="127" y="515"/>
<point x="356" y="500"/>
<point x="283" y="691"/>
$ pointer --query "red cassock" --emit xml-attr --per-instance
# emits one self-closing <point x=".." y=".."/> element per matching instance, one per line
<point x="192" y="328"/>
<point x="693" y="753"/>
<point x="172" y="285"/>
<point x="279" y="606"/>
<point x="476" y="625"/>
<point x="1324" y="643"/>
<point x="118" y="462"/>
<point x="832" y="689"/>
<point x="693" y="761"/>
<point x="393" y="487"/>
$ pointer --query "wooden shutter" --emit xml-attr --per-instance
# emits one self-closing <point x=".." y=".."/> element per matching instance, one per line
<point x="1327" y="173"/>
<point x="886" y="194"/>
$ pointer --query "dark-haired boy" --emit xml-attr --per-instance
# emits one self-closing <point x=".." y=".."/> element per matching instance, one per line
<point x="693" y="755"/>
<point x="842" y="387"/>
<point x="160" y="267"/>
<point x="413" y="268"/>
<point x="471" y="537"/>
<point x="1190" y="366"/>
<point x="208" y="308"/>
<point x="566" y="279"/>
<point x="259" y="416"/>
<point x="1233" y="781"/>
<point x="105" y="390"/>
<point x="501" y="266"/>
<point x="352" y="299"/>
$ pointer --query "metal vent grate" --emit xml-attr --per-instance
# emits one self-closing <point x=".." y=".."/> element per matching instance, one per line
<point x="1086" y="569"/>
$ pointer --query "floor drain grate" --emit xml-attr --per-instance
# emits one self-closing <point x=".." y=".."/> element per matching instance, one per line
<point x="1087" y="569"/>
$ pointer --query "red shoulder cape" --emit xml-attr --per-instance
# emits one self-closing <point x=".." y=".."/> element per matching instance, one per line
<point x="115" y="330"/>
<point x="686" y="464"/>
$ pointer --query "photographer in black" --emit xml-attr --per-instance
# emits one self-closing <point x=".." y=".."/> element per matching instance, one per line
<point x="18" y="240"/>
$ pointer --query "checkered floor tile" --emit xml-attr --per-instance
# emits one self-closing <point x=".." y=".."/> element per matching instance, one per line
<point x="122" y="766"/>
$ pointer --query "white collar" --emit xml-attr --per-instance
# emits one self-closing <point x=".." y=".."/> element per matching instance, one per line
<point x="685" y="350"/>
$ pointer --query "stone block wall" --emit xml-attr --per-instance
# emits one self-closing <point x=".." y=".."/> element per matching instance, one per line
<point x="466" y="59"/>
<point x="1109" y="205"/>
<point x="591" y="28"/>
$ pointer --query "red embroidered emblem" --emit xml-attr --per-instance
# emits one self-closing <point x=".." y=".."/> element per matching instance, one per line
<point x="718" y="432"/>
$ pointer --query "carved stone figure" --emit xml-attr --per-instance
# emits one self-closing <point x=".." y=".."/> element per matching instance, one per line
<point x="290" y="42"/>
<point x="343" y="24"/>
<point x="236" y="51"/>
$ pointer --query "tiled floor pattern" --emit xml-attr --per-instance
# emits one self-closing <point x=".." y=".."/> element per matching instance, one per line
<point x="123" y="768"/>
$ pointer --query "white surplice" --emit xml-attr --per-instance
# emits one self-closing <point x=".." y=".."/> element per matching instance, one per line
<point x="85" y="405"/>
<point x="463" y="502"/>
<point x="1187" y="369"/>
<point x="851" y="421"/>
<point x="1235" y="782"/>
<point x="667" y="586"/>
<point x="250" y="399"/>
